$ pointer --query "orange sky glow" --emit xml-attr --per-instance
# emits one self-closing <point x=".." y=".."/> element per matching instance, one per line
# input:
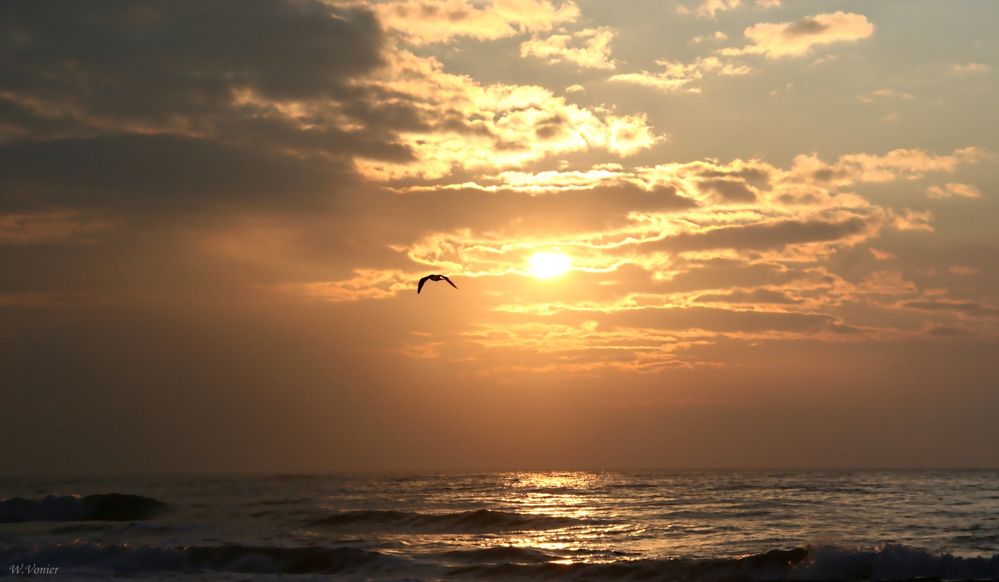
<point x="694" y="233"/>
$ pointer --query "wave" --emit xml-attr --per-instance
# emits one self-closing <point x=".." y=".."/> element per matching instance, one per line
<point x="104" y="507"/>
<point x="127" y="560"/>
<point x="80" y="529"/>
<point x="896" y="562"/>
<point x="889" y="562"/>
<point x="825" y="563"/>
<point x="769" y="566"/>
<point x="477" y="521"/>
<point x="278" y="502"/>
<point x="554" y="490"/>
<point x="636" y="485"/>
<point x="500" y="554"/>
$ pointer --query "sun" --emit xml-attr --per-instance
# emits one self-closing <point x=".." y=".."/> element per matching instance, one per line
<point x="547" y="265"/>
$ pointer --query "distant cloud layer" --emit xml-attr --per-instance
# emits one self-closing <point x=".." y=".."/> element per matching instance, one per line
<point x="220" y="126"/>
<point x="673" y="224"/>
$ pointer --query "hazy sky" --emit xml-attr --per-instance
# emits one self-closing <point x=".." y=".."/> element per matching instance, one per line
<point x="707" y="233"/>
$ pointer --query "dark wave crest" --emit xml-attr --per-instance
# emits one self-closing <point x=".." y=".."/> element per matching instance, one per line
<point x="125" y="560"/>
<point x="500" y="554"/>
<point x="773" y="565"/>
<point x="478" y="521"/>
<point x="105" y="507"/>
<point x="897" y="562"/>
<point x="890" y="562"/>
<point x="826" y="563"/>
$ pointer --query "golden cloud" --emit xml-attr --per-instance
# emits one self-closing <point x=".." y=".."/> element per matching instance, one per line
<point x="794" y="39"/>
<point x="678" y="77"/>
<point x="365" y="284"/>
<point x="477" y="126"/>
<point x="710" y="8"/>
<point x="424" y="22"/>
<point x="953" y="190"/>
<point x="908" y="164"/>
<point x="588" y="48"/>
<point x="885" y="94"/>
<point x="749" y="256"/>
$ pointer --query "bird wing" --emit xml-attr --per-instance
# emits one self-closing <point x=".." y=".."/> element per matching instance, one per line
<point x="449" y="281"/>
<point x="420" y="286"/>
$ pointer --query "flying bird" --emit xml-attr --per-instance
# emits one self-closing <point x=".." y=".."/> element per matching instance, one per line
<point x="434" y="278"/>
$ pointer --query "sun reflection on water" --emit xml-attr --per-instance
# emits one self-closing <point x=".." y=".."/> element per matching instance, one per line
<point x="529" y="518"/>
<point x="569" y="496"/>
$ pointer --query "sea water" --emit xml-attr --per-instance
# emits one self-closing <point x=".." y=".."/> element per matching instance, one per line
<point x="652" y="525"/>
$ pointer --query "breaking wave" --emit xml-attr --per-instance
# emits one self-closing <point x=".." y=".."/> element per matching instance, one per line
<point x="889" y="562"/>
<point x="477" y="521"/>
<point x="105" y="507"/>
<point x="125" y="560"/>
<point x="825" y="563"/>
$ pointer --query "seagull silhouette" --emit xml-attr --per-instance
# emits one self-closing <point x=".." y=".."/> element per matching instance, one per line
<point x="433" y="278"/>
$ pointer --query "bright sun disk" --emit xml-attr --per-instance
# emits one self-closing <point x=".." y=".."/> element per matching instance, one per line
<point x="547" y="265"/>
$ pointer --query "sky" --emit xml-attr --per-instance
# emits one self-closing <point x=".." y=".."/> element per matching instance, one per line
<point x="684" y="234"/>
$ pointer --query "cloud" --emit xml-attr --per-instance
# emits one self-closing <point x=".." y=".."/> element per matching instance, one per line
<point x="713" y="195"/>
<point x="884" y="94"/>
<point x="963" y="270"/>
<point x="729" y="190"/>
<point x="794" y="39"/>
<point x="715" y="36"/>
<point x="908" y="164"/>
<point x="670" y="259"/>
<point x="678" y="77"/>
<point x="352" y="100"/>
<point x="881" y="255"/>
<point x="422" y="22"/>
<point x="580" y="348"/>
<point x="48" y="227"/>
<point x="711" y="8"/>
<point x="366" y="284"/>
<point x="163" y="66"/>
<point x="907" y="219"/>
<point x="463" y="123"/>
<point x="149" y="109"/>
<point x="961" y="308"/>
<point x="43" y="300"/>
<point x="725" y="320"/>
<point x="588" y="48"/>
<point x="158" y="176"/>
<point x="769" y="234"/>
<point x="971" y="68"/>
<point x="953" y="190"/>
<point x="758" y="295"/>
<point x="232" y="202"/>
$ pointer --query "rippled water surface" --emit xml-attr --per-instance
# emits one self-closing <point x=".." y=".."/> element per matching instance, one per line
<point x="575" y="525"/>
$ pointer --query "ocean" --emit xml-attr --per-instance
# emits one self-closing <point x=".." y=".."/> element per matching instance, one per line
<point x="703" y="525"/>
